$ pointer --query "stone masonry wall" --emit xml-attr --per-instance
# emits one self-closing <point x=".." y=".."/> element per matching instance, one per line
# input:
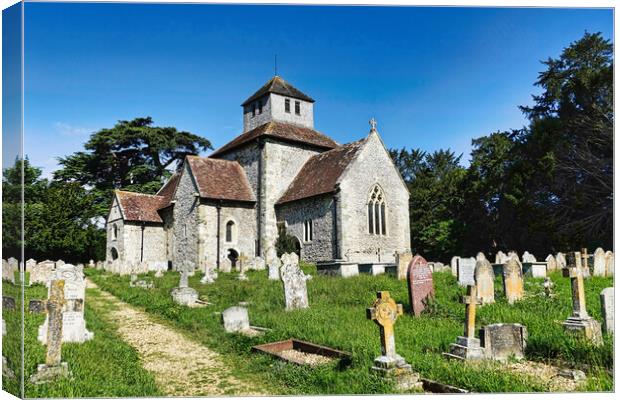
<point x="373" y="166"/>
<point x="185" y="214"/>
<point x="115" y="219"/>
<point x="250" y="122"/>
<point x="278" y="113"/>
<point x="320" y="211"/>
<point x="154" y="242"/>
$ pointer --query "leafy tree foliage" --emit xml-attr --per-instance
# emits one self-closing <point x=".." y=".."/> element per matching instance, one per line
<point x="133" y="155"/>
<point x="286" y="243"/>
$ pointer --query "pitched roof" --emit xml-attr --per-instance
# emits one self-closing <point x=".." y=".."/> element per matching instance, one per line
<point x="279" y="86"/>
<point x="140" y="207"/>
<point x="283" y="131"/>
<point x="321" y="172"/>
<point x="170" y="187"/>
<point x="220" y="179"/>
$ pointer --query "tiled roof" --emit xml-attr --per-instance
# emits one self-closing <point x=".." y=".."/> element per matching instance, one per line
<point x="280" y="130"/>
<point x="279" y="86"/>
<point x="170" y="187"/>
<point x="321" y="172"/>
<point x="220" y="179"/>
<point x="140" y="207"/>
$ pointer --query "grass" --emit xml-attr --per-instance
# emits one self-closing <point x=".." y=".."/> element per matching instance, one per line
<point x="102" y="367"/>
<point x="337" y="318"/>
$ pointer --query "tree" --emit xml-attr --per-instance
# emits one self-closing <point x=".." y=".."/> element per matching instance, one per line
<point x="133" y="155"/>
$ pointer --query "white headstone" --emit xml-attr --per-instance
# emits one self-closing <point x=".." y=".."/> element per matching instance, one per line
<point x="609" y="263"/>
<point x="528" y="258"/>
<point x="8" y="271"/>
<point x="607" y="309"/>
<point x="30" y="263"/>
<point x="225" y="265"/>
<point x="42" y="272"/>
<point x="551" y="263"/>
<point x="466" y="271"/>
<point x="273" y="263"/>
<point x="236" y="319"/>
<point x="599" y="262"/>
<point x="210" y="274"/>
<point x="295" y="290"/>
<point x="560" y="260"/>
<point x="480" y="257"/>
<point x="501" y="257"/>
<point x="73" y="323"/>
<point x="454" y="265"/>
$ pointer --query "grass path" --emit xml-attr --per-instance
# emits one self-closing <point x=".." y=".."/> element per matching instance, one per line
<point x="181" y="366"/>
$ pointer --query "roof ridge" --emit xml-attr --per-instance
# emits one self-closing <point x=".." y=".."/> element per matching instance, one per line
<point x="137" y="193"/>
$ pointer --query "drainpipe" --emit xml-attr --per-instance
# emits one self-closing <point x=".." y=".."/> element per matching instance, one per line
<point x="142" y="243"/>
<point x="336" y="251"/>
<point x="259" y="197"/>
<point x="217" y="252"/>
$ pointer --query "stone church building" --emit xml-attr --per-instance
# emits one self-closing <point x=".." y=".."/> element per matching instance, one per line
<point x="343" y="203"/>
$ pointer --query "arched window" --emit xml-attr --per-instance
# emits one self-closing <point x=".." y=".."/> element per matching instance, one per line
<point x="308" y="230"/>
<point x="377" y="223"/>
<point x="114" y="253"/>
<point x="230" y="226"/>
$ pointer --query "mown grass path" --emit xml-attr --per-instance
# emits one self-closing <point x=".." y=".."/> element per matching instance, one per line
<point x="181" y="367"/>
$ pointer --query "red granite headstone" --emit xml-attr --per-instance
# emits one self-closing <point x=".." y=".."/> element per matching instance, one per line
<point x="420" y="283"/>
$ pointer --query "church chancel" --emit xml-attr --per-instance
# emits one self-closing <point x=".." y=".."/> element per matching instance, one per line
<point x="346" y="205"/>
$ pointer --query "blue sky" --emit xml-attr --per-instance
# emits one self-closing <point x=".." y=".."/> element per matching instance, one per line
<point x="432" y="77"/>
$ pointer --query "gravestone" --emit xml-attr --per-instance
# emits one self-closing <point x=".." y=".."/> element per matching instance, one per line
<point x="42" y="272"/>
<point x="60" y="263"/>
<point x="536" y="269"/>
<point x="236" y="319"/>
<point x="513" y="281"/>
<point x="480" y="256"/>
<point x="599" y="262"/>
<point x="225" y="265"/>
<point x="53" y="368"/>
<point x="551" y="263"/>
<point x="560" y="261"/>
<point x="548" y="287"/>
<point x="580" y="322"/>
<point x="8" y="270"/>
<point x="257" y="264"/>
<point x="273" y="264"/>
<point x="159" y="273"/>
<point x="513" y="254"/>
<point x="609" y="263"/>
<point x="454" y="265"/>
<point x="295" y="291"/>
<point x="466" y="271"/>
<point x="30" y="263"/>
<point x="8" y="303"/>
<point x="420" y="284"/>
<point x="500" y="257"/>
<point x="485" y="286"/>
<point x="467" y="347"/>
<point x="607" y="309"/>
<point x="504" y="341"/>
<point x="183" y="294"/>
<point x="385" y="312"/>
<point x="528" y="258"/>
<point x="403" y="260"/>
<point x="74" y="324"/>
<point x="99" y="265"/>
<point x="210" y="273"/>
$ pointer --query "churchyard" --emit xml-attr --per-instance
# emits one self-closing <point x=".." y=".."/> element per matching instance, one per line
<point x="339" y="316"/>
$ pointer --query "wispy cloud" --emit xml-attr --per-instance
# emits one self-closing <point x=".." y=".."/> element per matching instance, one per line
<point x="69" y="130"/>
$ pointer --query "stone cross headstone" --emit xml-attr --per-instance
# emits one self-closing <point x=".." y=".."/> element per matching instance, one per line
<point x="273" y="263"/>
<point x="551" y="263"/>
<point x="384" y="312"/>
<point x="560" y="261"/>
<point x="609" y="263"/>
<point x="242" y="267"/>
<point x="513" y="281"/>
<point x="454" y="265"/>
<point x="420" y="284"/>
<point x="183" y="294"/>
<point x="402" y="263"/>
<point x="467" y="347"/>
<point x="470" y="301"/>
<point x="485" y="282"/>
<point x="236" y="319"/>
<point x="295" y="291"/>
<point x="53" y="368"/>
<point x="599" y="262"/>
<point x="74" y="324"/>
<point x="466" y="271"/>
<point x="504" y="341"/>
<point x="580" y="322"/>
<point x="585" y="265"/>
<point x="607" y="309"/>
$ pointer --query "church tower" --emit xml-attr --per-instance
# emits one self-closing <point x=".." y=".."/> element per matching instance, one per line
<point x="278" y="101"/>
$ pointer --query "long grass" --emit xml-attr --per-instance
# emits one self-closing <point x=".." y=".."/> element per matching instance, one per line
<point x="337" y="318"/>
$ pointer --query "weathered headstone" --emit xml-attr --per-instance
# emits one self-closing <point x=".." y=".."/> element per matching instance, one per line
<point x="528" y="258"/>
<point x="60" y="263"/>
<point x="513" y="254"/>
<point x="599" y="262"/>
<point x="74" y="324"/>
<point x="225" y="265"/>
<point x="8" y="303"/>
<point x="513" y="281"/>
<point x="500" y="257"/>
<point x="183" y="294"/>
<point x="385" y="312"/>
<point x="210" y="274"/>
<point x="466" y="271"/>
<point x="295" y="291"/>
<point x="42" y="272"/>
<point x="609" y="263"/>
<point x="536" y="269"/>
<point x="236" y="319"/>
<point x="8" y="270"/>
<point x="99" y="265"/>
<point x="273" y="263"/>
<point x="485" y="282"/>
<point x="480" y="256"/>
<point x="403" y="261"/>
<point x="607" y="309"/>
<point x="504" y="341"/>
<point x="91" y="263"/>
<point x="454" y="265"/>
<point x="30" y="263"/>
<point x="259" y="264"/>
<point x="560" y="261"/>
<point x="552" y="264"/>
<point x="420" y="284"/>
<point x="580" y="322"/>
<point x="467" y="347"/>
<point x="53" y="368"/>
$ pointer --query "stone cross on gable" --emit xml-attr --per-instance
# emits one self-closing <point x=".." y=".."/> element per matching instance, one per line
<point x="384" y="312"/>
<point x="373" y="124"/>
<point x="470" y="301"/>
<point x="578" y="291"/>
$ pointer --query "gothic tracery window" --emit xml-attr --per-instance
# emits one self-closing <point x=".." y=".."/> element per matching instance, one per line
<point x="377" y="224"/>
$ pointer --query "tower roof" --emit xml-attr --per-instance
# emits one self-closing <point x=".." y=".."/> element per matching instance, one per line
<point x="279" y="86"/>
